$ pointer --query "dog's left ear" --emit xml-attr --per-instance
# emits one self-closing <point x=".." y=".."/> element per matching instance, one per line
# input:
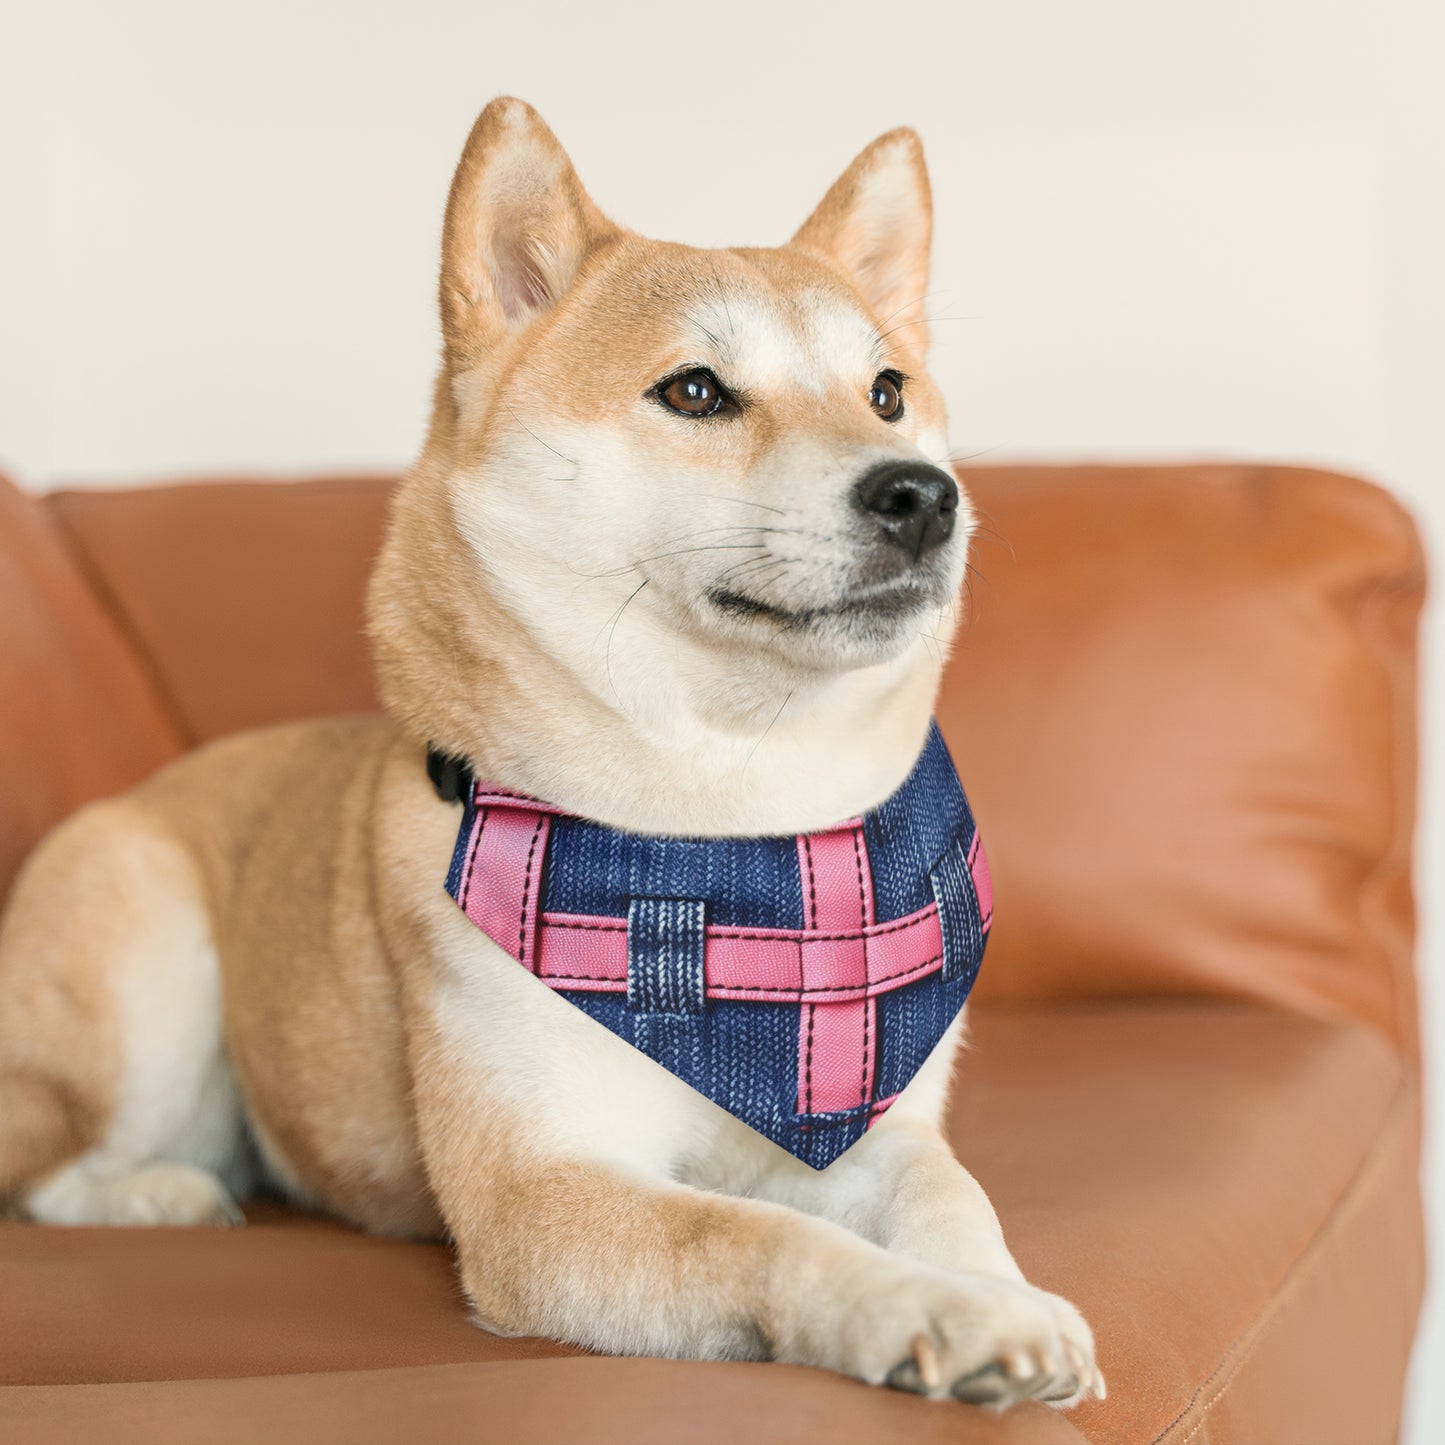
<point x="518" y="228"/>
<point x="877" y="223"/>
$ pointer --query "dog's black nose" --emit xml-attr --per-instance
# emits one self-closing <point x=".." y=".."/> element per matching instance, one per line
<point x="915" y="504"/>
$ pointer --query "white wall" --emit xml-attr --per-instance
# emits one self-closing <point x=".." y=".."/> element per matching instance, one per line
<point x="1164" y="228"/>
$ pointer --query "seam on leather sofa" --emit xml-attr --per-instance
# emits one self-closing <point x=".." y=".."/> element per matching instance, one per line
<point x="1392" y="642"/>
<point x="93" y="522"/>
<point x="1376" y="914"/>
<point x="505" y="1404"/>
<point x="1399" y="1116"/>
<point x="125" y="625"/>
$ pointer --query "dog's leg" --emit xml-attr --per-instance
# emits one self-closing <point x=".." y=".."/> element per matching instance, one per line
<point x="116" y="1104"/>
<point x="901" y="1188"/>
<point x="587" y="1253"/>
<point x="616" y="1257"/>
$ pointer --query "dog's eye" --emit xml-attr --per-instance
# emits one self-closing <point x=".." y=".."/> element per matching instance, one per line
<point x="694" y="393"/>
<point x="886" y="398"/>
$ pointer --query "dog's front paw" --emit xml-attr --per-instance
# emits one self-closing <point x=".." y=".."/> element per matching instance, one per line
<point x="979" y="1338"/>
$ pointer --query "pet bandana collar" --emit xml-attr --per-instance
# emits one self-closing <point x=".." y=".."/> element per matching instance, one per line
<point x="800" y="982"/>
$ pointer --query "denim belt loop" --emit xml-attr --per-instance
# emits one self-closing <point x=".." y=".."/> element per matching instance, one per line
<point x="666" y="941"/>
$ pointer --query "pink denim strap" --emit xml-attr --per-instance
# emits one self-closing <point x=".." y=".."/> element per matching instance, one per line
<point x="506" y="851"/>
<point x="836" y="1038"/>
<point x="851" y="960"/>
<point x="757" y="965"/>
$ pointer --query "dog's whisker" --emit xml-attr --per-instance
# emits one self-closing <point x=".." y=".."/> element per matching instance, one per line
<point x="958" y="458"/>
<point x="924" y="321"/>
<point x="691" y="551"/>
<point x="571" y="461"/>
<point x="723" y="546"/>
<point x="770" y="568"/>
<point x="907" y="305"/>
<point x="881" y="350"/>
<point x="659" y="556"/>
<point x="808" y="575"/>
<point x="760" y="575"/>
<point x="748" y="502"/>
<point x="992" y="532"/>
<point x="612" y="633"/>
<point x="736" y="568"/>
<point x="767" y="730"/>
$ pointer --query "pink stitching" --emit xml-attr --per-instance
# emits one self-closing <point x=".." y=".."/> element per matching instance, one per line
<point x="723" y="990"/>
<point x="851" y="1116"/>
<point x="472" y="859"/>
<point x="808" y="1093"/>
<point x="869" y="1009"/>
<point x="810" y="920"/>
<point x="871" y="930"/>
<point x="862" y="898"/>
<point x="779" y="995"/>
<point x="526" y="895"/>
<point x="806" y="935"/>
<point x="560" y="920"/>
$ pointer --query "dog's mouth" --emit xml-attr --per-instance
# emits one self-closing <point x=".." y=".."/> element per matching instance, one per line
<point x="890" y="603"/>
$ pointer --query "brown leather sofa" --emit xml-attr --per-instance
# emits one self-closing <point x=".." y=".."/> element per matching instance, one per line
<point x="1185" y="712"/>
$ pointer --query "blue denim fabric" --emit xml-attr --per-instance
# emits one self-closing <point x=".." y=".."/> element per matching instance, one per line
<point x="746" y="882"/>
<point x="665" y="945"/>
<point x="744" y="1055"/>
<point x="959" y="919"/>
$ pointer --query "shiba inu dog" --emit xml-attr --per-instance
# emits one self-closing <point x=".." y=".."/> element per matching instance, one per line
<point x="677" y="557"/>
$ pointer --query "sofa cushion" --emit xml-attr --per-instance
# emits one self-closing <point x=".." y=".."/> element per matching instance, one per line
<point x="79" y="715"/>
<point x="1184" y="709"/>
<point x="1224" y="1190"/>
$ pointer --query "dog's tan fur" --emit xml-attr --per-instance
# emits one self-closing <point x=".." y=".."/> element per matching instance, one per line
<point x="255" y="944"/>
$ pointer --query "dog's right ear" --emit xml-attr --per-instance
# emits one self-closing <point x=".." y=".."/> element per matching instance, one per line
<point x="877" y="223"/>
<point x="518" y="227"/>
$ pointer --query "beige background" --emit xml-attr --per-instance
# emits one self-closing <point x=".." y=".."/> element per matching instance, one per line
<point x="1164" y="229"/>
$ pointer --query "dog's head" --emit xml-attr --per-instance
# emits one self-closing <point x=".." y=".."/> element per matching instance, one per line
<point x="661" y="468"/>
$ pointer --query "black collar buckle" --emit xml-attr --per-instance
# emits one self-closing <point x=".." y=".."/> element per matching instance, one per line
<point x="451" y="776"/>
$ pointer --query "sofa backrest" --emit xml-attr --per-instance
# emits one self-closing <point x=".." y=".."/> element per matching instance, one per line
<point x="246" y="596"/>
<point x="1185" y="712"/>
<point x="1183" y="705"/>
<point x="79" y="715"/>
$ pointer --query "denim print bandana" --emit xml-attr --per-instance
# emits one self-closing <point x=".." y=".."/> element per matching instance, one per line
<point x="799" y="982"/>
